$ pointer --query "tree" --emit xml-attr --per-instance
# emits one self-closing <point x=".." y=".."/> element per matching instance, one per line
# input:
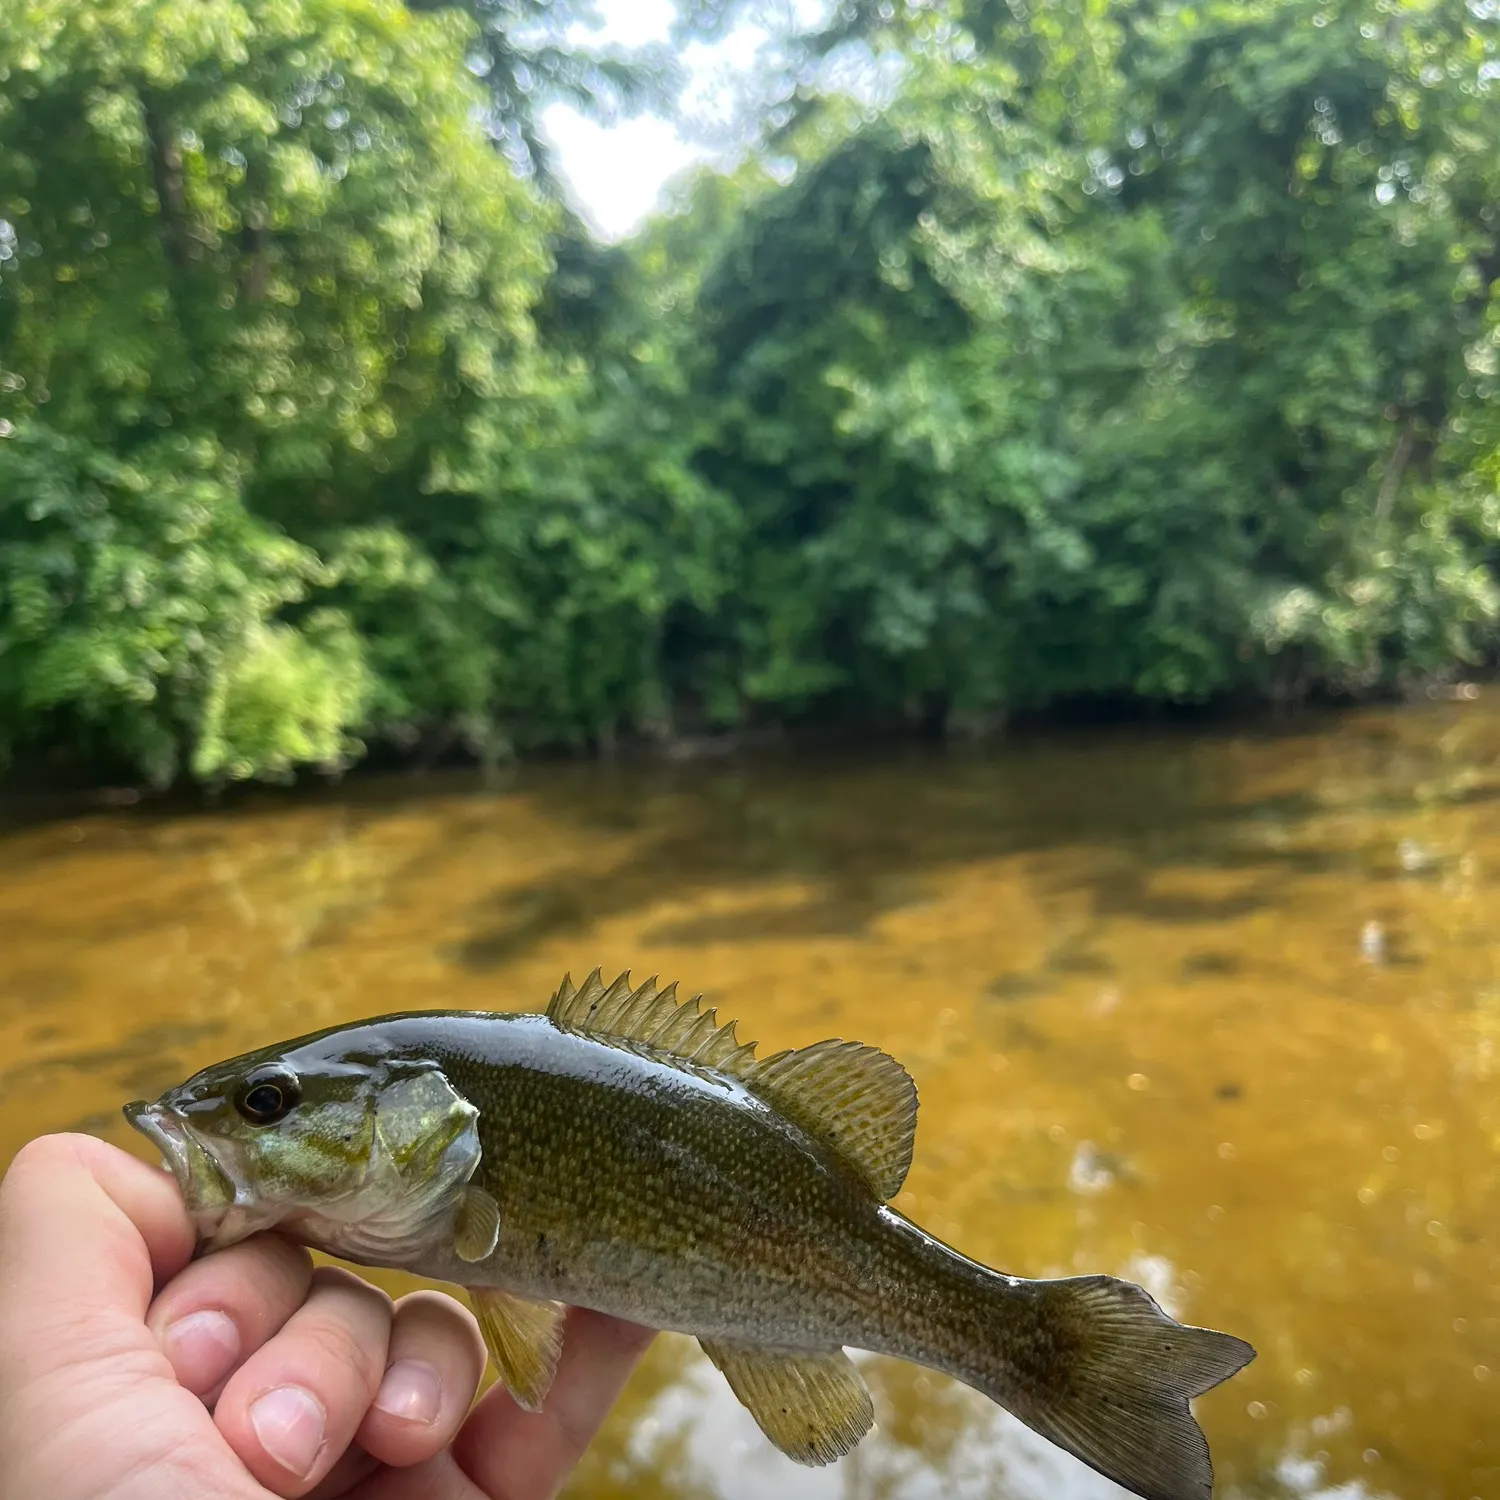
<point x="1115" y="351"/>
<point x="273" y="234"/>
<point x="1112" y="360"/>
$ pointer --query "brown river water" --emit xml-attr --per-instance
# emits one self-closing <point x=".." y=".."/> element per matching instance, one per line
<point x="1216" y="1011"/>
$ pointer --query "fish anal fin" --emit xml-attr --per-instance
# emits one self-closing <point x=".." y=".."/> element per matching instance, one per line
<point x="476" y="1231"/>
<point x="649" y="1017"/>
<point x="813" y="1407"/>
<point x="855" y="1098"/>
<point x="524" y="1339"/>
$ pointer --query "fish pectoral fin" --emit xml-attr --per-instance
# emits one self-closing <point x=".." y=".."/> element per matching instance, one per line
<point x="476" y="1231"/>
<point x="524" y="1339"/>
<point x="857" y="1099"/>
<point x="814" y="1407"/>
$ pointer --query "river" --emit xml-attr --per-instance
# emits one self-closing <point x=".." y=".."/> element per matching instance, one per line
<point x="1215" y="1010"/>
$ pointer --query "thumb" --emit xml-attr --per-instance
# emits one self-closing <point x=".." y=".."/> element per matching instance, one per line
<point x="87" y="1232"/>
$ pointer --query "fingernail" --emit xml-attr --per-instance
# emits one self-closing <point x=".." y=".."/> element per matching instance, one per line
<point x="290" y="1423"/>
<point x="203" y="1348"/>
<point x="412" y="1391"/>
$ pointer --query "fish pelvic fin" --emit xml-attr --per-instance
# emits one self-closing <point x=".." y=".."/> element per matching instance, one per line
<point x="853" y="1098"/>
<point x="1093" y="1364"/>
<point x="813" y="1407"/>
<point x="524" y="1339"/>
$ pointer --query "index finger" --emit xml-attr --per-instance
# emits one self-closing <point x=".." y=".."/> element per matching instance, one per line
<point x="85" y="1230"/>
<point x="513" y="1454"/>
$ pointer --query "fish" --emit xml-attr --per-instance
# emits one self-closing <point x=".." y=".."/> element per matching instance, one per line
<point x="623" y="1150"/>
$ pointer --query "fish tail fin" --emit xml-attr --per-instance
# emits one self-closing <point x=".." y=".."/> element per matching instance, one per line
<point x="1093" y="1364"/>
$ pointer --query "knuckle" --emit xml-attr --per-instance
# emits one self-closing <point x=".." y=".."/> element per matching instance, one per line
<point x="351" y="1334"/>
<point x="336" y="1281"/>
<point x="45" y="1153"/>
<point x="333" y="1345"/>
<point x="278" y="1271"/>
<point x="41" y="1161"/>
<point x="427" y="1303"/>
<point x="439" y="1327"/>
<point x="429" y="1313"/>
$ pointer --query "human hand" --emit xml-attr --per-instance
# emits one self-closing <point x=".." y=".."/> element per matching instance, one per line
<point x="129" y="1371"/>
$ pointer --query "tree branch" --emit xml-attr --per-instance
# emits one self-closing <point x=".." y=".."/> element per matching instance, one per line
<point x="166" y="172"/>
<point x="1400" y="457"/>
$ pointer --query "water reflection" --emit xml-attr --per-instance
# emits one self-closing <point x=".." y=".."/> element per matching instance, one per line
<point x="935" y="1440"/>
<point x="1218" y="1013"/>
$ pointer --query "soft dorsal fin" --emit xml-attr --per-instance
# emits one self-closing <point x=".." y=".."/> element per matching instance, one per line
<point x="860" y="1101"/>
<point x="650" y="1017"/>
<point x="854" y="1098"/>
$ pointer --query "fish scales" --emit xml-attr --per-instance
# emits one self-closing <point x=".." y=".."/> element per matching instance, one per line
<point x="625" y="1152"/>
<point x="676" y="1200"/>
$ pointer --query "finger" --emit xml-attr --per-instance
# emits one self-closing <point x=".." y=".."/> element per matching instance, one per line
<point x="513" y="1454"/>
<point x="89" y="1232"/>
<point x="295" y="1404"/>
<point x="351" y="1473"/>
<point x="218" y="1311"/>
<point x="433" y="1368"/>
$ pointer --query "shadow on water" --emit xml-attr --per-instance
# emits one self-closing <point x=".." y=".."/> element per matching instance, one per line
<point x="136" y="1063"/>
<point x="860" y="834"/>
<point x="861" y="846"/>
<point x="856" y="831"/>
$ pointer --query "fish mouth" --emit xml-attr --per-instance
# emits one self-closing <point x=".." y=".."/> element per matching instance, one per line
<point x="207" y="1189"/>
<point x="164" y="1130"/>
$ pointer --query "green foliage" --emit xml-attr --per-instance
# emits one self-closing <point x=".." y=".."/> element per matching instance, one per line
<point x="279" y="224"/>
<point x="1126" y="351"/>
<point x="281" y="699"/>
<point x="137" y="613"/>
<point x="278" y="221"/>
<point x="1125" y="355"/>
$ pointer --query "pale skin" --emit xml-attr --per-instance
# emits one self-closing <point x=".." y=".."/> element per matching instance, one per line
<point x="129" y="1371"/>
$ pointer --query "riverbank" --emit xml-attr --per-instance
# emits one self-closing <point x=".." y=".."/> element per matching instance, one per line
<point x="59" y="790"/>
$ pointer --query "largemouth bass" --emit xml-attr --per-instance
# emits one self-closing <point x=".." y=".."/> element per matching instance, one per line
<point x="627" y="1153"/>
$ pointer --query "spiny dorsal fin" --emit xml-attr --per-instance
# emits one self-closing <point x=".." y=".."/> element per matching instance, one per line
<point x="855" y="1098"/>
<point x="860" y="1101"/>
<point x="650" y="1017"/>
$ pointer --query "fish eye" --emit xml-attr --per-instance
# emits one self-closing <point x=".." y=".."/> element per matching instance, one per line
<point x="265" y="1098"/>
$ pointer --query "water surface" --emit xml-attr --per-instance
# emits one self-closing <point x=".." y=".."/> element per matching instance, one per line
<point x="1217" y="1012"/>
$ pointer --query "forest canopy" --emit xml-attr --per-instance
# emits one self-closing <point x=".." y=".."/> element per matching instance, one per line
<point x="1120" y="349"/>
